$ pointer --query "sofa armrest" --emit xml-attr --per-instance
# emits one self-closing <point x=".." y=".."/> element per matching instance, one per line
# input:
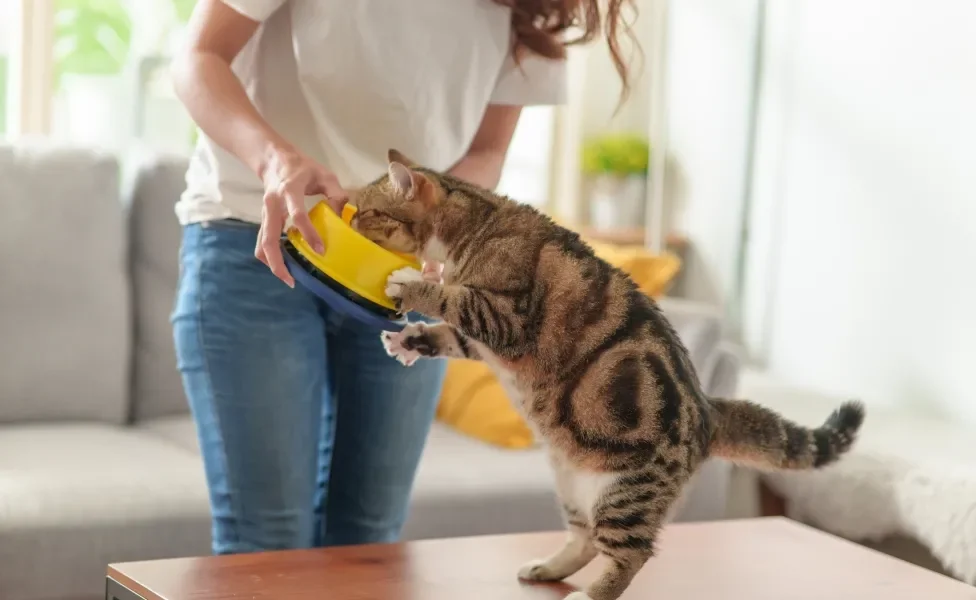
<point x="64" y="302"/>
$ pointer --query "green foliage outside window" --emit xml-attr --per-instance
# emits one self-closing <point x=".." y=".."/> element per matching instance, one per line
<point x="91" y="37"/>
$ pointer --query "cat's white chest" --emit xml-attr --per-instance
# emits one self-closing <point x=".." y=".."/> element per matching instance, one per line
<point x="508" y="381"/>
<point x="585" y="488"/>
<point x="436" y="251"/>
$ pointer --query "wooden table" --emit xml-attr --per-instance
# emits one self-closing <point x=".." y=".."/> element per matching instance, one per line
<point x="760" y="559"/>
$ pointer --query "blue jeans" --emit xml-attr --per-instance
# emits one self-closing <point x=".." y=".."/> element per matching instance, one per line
<point x="310" y="433"/>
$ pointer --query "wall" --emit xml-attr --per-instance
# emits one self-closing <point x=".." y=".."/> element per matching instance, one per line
<point x="861" y="275"/>
<point x="710" y="66"/>
<point x="602" y="88"/>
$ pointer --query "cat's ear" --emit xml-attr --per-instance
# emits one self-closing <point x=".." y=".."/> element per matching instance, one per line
<point x="413" y="186"/>
<point x="403" y="180"/>
<point x="395" y="156"/>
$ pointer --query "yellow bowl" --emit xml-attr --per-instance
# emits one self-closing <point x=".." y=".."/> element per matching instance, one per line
<point x="350" y="259"/>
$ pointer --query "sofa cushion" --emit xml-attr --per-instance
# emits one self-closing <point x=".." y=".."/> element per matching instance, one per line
<point x="74" y="498"/>
<point x="467" y="487"/>
<point x="64" y="306"/>
<point x="154" y="242"/>
<point x="463" y="486"/>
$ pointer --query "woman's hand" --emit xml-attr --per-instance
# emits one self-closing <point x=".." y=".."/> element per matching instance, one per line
<point x="288" y="177"/>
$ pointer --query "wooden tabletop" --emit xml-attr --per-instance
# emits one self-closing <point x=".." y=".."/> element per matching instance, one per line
<point x="760" y="559"/>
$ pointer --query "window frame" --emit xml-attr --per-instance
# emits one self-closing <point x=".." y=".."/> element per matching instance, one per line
<point x="30" y="76"/>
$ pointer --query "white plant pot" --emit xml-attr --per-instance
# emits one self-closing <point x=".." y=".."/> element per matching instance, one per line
<point x="93" y="110"/>
<point x="617" y="202"/>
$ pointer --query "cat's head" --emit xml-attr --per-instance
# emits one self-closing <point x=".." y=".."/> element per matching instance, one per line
<point x="394" y="211"/>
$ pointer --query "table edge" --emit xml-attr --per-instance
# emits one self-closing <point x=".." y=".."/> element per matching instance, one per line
<point x="117" y="567"/>
<point x="116" y="575"/>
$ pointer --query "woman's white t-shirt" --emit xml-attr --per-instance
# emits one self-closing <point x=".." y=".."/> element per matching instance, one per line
<point x="345" y="80"/>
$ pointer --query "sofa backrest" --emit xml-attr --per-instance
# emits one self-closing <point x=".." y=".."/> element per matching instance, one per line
<point x="64" y="300"/>
<point x="154" y="243"/>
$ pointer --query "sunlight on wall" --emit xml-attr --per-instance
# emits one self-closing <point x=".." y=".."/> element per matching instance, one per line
<point x="872" y="287"/>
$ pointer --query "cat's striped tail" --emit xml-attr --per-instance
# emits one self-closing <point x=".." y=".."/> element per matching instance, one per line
<point x="747" y="433"/>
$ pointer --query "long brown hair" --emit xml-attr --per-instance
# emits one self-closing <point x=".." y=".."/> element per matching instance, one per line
<point x="541" y="26"/>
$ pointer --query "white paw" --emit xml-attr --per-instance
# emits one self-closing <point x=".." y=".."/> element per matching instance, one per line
<point x="400" y="277"/>
<point x="577" y="596"/>
<point x="533" y="571"/>
<point x="393" y="343"/>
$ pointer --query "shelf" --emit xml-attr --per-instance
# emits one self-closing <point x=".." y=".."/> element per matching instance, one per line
<point x="631" y="236"/>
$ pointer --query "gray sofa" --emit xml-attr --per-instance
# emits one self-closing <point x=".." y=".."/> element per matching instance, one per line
<point x="98" y="458"/>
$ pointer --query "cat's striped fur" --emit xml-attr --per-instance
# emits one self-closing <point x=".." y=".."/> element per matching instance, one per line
<point x="590" y="361"/>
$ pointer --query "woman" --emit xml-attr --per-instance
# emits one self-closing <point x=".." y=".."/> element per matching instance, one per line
<point x="310" y="434"/>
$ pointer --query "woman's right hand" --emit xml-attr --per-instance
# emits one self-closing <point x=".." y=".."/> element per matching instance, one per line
<point x="217" y="101"/>
<point x="288" y="177"/>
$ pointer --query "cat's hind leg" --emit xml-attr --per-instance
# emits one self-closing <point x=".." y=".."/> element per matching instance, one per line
<point x="626" y="523"/>
<point x="578" y="551"/>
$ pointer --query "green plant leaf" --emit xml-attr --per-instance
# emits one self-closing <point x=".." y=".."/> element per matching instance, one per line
<point x="616" y="154"/>
<point x="92" y="37"/>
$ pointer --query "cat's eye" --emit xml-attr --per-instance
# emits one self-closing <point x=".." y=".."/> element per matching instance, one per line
<point x="381" y="216"/>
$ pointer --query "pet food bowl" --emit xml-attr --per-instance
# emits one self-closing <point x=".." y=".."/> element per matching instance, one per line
<point x="350" y="276"/>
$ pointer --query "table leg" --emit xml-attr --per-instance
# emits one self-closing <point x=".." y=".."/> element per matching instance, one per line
<point x="116" y="591"/>
<point x="771" y="504"/>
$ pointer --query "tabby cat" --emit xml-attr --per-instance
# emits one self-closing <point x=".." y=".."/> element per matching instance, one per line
<point x="588" y="359"/>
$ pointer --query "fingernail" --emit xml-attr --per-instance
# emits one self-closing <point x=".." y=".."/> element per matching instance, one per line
<point x="319" y="247"/>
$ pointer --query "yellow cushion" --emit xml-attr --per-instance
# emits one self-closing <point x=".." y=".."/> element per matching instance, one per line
<point x="474" y="403"/>
<point x="652" y="273"/>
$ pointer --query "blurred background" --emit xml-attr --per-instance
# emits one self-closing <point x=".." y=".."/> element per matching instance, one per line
<point x="795" y="180"/>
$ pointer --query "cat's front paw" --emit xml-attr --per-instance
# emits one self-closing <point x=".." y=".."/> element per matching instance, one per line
<point x="408" y="344"/>
<point x="536" y="570"/>
<point x="399" y="279"/>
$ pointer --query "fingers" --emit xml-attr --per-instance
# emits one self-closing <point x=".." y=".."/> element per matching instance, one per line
<point x="299" y="218"/>
<point x="327" y="184"/>
<point x="268" y="249"/>
<point x="284" y="201"/>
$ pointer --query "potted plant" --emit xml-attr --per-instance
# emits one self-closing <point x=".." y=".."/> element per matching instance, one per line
<point x="616" y="168"/>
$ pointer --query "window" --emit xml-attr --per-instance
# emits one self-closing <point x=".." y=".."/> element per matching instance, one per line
<point x="110" y="84"/>
<point x="92" y="71"/>
<point x="8" y="19"/>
